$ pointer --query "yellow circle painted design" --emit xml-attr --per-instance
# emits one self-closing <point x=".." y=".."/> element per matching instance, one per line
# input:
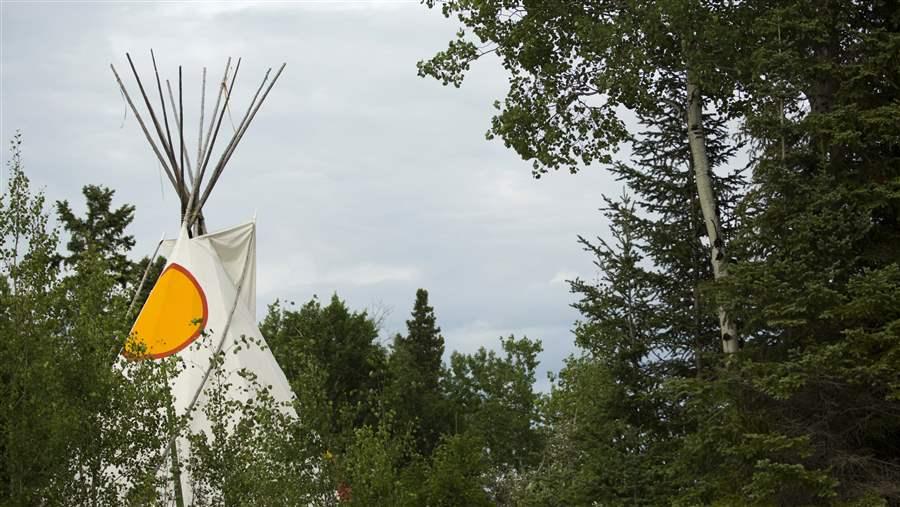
<point x="172" y="318"/>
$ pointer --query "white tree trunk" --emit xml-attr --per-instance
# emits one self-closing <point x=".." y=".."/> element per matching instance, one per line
<point x="697" y="142"/>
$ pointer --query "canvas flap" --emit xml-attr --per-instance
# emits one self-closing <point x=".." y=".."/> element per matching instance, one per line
<point x="232" y="246"/>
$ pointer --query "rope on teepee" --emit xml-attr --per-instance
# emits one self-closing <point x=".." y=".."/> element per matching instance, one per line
<point x="125" y="107"/>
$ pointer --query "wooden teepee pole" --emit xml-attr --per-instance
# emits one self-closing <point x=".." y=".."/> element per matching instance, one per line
<point x="238" y="136"/>
<point x="144" y="128"/>
<point x="186" y="205"/>
<point x="171" y="156"/>
<point x="220" y="165"/>
<point x="197" y="207"/>
<point x="211" y="141"/>
<point x="202" y="112"/>
<point x="187" y="159"/>
<point x="175" y="165"/>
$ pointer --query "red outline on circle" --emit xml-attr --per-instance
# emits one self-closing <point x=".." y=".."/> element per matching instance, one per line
<point x="193" y="337"/>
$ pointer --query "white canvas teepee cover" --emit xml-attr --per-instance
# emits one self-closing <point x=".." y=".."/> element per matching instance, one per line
<point x="203" y="302"/>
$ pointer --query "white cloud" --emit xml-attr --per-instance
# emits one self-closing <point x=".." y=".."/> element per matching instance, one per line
<point x="272" y="278"/>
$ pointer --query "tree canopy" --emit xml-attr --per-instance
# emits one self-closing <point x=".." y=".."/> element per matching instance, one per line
<point x="767" y="373"/>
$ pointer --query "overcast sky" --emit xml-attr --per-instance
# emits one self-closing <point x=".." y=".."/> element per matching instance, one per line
<point x="366" y="180"/>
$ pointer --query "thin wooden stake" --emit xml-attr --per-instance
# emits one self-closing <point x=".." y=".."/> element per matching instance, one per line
<point x="181" y="125"/>
<point x="162" y="103"/>
<point x="187" y="158"/>
<point x="212" y="143"/>
<point x="212" y="118"/>
<point x="162" y="140"/>
<point x="144" y="128"/>
<point x="238" y="136"/>
<point x="202" y="111"/>
<point x="253" y="115"/>
<point x="220" y="165"/>
<point x="193" y="200"/>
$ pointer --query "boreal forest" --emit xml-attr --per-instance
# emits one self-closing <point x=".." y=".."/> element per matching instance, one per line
<point x="739" y="344"/>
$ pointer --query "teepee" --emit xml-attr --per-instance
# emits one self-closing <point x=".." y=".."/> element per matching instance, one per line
<point x="205" y="299"/>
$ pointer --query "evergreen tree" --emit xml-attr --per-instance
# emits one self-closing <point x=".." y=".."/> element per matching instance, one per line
<point x="668" y="228"/>
<point x="612" y="429"/>
<point x="415" y="392"/>
<point x="818" y="279"/>
<point x="646" y="323"/>
<point x="101" y="232"/>
<point x="423" y="341"/>
<point x="808" y="415"/>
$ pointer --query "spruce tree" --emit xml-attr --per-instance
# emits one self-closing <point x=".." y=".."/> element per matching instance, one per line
<point x="647" y="323"/>
<point x="669" y="228"/>
<point x="423" y="341"/>
<point x="100" y="232"/>
<point x="818" y="280"/>
<point x="607" y="404"/>
<point x="415" y="391"/>
<point x="809" y="414"/>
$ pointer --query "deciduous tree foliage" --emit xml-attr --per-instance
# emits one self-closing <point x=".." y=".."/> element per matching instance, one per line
<point x="575" y="66"/>
<point x="256" y="454"/>
<point x="799" y="104"/>
<point x="78" y="426"/>
<point x="334" y="363"/>
<point x="808" y="413"/>
<point x="418" y="432"/>
<point x="73" y="429"/>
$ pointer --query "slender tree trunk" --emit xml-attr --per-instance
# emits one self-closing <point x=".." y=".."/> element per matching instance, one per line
<point x="698" y="315"/>
<point x="176" y="474"/>
<point x="697" y="141"/>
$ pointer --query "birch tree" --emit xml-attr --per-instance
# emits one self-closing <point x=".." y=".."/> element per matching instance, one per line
<point x="708" y="203"/>
<point x="73" y="430"/>
<point x="574" y="66"/>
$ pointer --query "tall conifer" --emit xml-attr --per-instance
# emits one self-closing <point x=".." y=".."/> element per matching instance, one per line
<point x="416" y="369"/>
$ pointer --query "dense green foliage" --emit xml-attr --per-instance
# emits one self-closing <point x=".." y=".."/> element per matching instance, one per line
<point x="414" y="392"/>
<point x="334" y="364"/>
<point x="801" y="127"/>
<point x="68" y="418"/>
<point x="79" y="425"/>
<point x="651" y="413"/>
<point x="397" y="426"/>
